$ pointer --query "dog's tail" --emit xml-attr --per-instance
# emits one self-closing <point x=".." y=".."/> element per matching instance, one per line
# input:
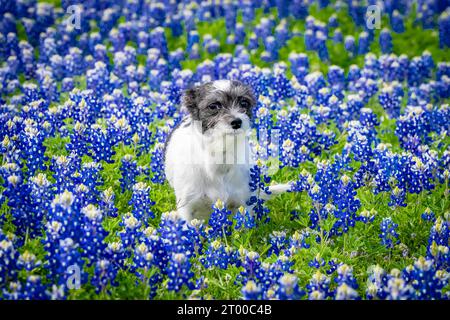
<point x="275" y="190"/>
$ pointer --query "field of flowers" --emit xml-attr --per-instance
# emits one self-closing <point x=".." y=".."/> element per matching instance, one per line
<point x="87" y="101"/>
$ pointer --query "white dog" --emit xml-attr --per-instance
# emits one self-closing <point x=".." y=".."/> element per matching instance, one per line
<point x="207" y="156"/>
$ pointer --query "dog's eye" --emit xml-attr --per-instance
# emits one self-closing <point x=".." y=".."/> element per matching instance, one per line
<point x="245" y="104"/>
<point x="214" y="106"/>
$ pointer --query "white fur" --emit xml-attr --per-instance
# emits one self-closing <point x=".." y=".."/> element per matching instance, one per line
<point x="202" y="168"/>
<point x="223" y="85"/>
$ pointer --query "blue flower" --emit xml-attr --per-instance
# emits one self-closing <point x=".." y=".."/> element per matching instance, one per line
<point x="317" y="262"/>
<point x="179" y="273"/>
<point x="288" y="288"/>
<point x="219" y="221"/>
<point x="347" y="284"/>
<point x="444" y="29"/>
<point x="389" y="235"/>
<point x="319" y="287"/>
<point x="105" y="274"/>
<point x="251" y="291"/>
<point x="244" y="220"/>
<point x="428" y="215"/>
<point x="385" y="41"/>
<point x="426" y="280"/>
<point x="219" y="255"/>
<point x="140" y="200"/>
<point x="278" y="242"/>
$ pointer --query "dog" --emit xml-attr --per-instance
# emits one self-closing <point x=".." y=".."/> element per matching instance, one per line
<point x="208" y="155"/>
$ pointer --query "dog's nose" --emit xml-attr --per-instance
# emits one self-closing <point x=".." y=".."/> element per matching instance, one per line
<point x="236" y="123"/>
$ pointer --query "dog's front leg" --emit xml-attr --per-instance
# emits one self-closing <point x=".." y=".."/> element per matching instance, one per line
<point x="185" y="212"/>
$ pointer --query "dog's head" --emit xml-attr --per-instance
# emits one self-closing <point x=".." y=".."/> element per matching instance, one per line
<point x="221" y="106"/>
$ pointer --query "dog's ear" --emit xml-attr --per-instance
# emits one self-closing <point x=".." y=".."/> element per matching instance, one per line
<point x="189" y="101"/>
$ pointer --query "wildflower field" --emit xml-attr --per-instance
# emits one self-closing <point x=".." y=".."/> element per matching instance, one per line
<point x="89" y="94"/>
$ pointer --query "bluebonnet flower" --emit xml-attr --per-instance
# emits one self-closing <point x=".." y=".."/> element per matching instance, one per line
<point x="212" y="46"/>
<point x="398" y="197"/>
<point x="131" y="230"/>
<point x="336" y="76"/>
<point x="251" y="291"/>
<point x="97" y="78"/>
<point x="28" y="261"/>
<point x="349" y="44"/>
<point x="299" y="65"/>
<point x="322" y="48"/>
<point x="309" y="39"/>
<point x="284" y="263"/>
<point x="129" y="172"/>
<point x="40" y="195"/>
<point x="253" y="42"/>
<point x="105" y="274"/>
<point x="439" y="232"/>
<point x="347" y="284"/>
<point x="259" y="208"/>
<point x="426" y="280"/>
<point x="65" y="261"/>
<point x="397" y="22"/>
<point x="397" y="288"/>
<point x="142" y="259"/>
<point x="385" y="41"/>
<point x="333" y="21"/>
<point x="390" y="99"/>
<point x="244" y="220"/>
<point x="100" y="144"/>
<point x="32" y="139"/>
<point x="116" y="254"/>
<point x="319" y="287"/>
<point x="298" y="241"/>
<point x="106" y="203"/>
<point x="288" y="288"/>
<point x="179" y="273"/>
<point x="219" y="255"/>
<point x="337" y="36"/>
<point x="239" y="33"/>
<point x="333" y="266"/>
<point x="140" y="200"/>
<point x="178" y="236"/>
<point x="444" y="29"/>
<point x="278" y="242"/>
<point x="251" y="264"/>
<point x="94" y="234"/>
<point x="34" y="289"/>
<point x="417" y="71"/>
<point x="9" y="254"/>
<point x="219" y="221"/>
<point x="16" y="192"/>
<point x="14" y="291"/>
<point x="428" y="215"/>
<point x="389" y="235"/>
<point x="363" y="43"/>
<point x="259" y="178"/>
<point x="366" y="216"/>
<point x="376" y="283"/>
<point x="439" y="254"/>
<point x="157" y="164"/>
<point x="317" y="262"/>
